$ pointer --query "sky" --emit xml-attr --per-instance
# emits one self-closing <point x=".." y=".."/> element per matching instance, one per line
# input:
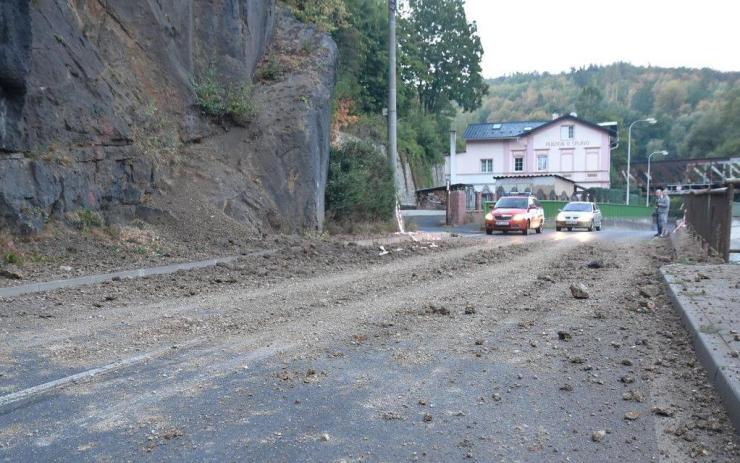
<point x="555" y="35"/>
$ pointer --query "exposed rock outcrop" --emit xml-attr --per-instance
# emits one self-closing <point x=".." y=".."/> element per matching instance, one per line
<point x="97" y="110"/>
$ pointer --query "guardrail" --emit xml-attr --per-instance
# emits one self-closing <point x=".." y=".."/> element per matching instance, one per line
<point x="608" y="211"/>
<point x="709" y="215"/>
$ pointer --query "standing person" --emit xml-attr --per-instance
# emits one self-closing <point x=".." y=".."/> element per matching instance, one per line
<point x="662" y="204"/>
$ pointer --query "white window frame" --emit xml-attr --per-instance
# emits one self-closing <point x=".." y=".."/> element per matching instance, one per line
<point x="517" y="158"/>
<point x="486" y="165"/>
<point x="547" y="161"/>
<point x="570" y="132"/>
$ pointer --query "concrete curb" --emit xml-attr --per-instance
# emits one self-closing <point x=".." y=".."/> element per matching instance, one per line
<point x="44" y="286"/>
<point x="709" y="356"/>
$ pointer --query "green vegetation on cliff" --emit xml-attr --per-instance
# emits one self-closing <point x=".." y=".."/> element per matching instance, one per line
<point x="439" y="57"/>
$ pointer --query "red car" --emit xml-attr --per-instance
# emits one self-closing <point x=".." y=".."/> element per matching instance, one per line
<point x="515" y="213"/>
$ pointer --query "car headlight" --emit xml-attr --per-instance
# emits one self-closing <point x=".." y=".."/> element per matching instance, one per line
<point x="517" y="217"/>
<point x="560" y="217"/>
<point x="489" y="216"/>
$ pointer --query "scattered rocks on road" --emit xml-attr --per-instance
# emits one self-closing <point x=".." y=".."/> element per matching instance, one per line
<point x="662" y="411"/>
<point x="598" y="436"/>
<point x="649" y="291"/>
<point x="434" y="310"/>
<point x="579" y="291"/>
<point x="427" y="418"/>
<point x="564" y="336"/>
<point x="469" y="310"/>
<point x="631" y="415"/>
<point x="11" y="272"/>
<point x="595" y="264"/>
<point x="632" y="396"/>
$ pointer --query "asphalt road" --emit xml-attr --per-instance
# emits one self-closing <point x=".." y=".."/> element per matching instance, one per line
<point x="474" y="352"/>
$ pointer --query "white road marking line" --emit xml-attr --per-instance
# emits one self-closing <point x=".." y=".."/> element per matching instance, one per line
<point x="84" y="375"/>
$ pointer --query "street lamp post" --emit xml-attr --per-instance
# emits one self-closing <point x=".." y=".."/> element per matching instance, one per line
<point x="647" y="194"/>
<point x="649" y="120"/>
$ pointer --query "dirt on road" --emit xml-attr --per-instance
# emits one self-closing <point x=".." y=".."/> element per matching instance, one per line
<point x="468" y="349"/>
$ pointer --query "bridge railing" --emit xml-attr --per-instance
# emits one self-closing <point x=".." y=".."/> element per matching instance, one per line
<point x="709" y="216"/>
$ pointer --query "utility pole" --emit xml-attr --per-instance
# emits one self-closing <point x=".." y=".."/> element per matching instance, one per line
<point x="392" y="116"/>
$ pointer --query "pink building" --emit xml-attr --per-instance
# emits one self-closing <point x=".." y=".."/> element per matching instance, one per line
<point x="565" y="147"/>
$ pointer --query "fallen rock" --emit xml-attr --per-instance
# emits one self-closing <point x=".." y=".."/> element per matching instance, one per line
<point x="595" y="264"/>
<point x="325" y="437"/>
<point x="649" y="291"/>
<point x="564" y="336"/>
<point x="546" y="278"/>
<point x="632" y="396"/>
<point x="65" y="268"/>
<point x="631" y="416"/>
<point x="627" y="362"/>
<point x="566" y="387"/>
<point x="662" y="411"/>
<point x="427" y="418"/>
<point x="11" y="272"/>
<point x="438" y="310"/>
<point x="650" y="305"/>
<point x="598" y="436"/>
<point x="579" y="291"/>
<point x="469" y="310"/>
<point x="627" y="379"/>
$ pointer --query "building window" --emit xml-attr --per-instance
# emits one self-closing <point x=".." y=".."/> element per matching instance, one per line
<point x="542" y="162"/>
<point x="567" y="132"/>
<point x="518" y="164"/>
<point x="486" y="165"/>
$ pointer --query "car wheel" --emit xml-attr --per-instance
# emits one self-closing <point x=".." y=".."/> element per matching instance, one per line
<point x="526" y="229"/>
<point x="591" y="227"/>
<point x="598" y="228"/>
<point x="489" y="232"/>
<point x="505" y="232"/>
<point x="570" y="228"/>
<point x="558" y="228"/>
<point x="539" y="229"/>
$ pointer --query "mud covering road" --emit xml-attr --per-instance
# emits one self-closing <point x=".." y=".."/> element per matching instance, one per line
<point x="469" y="350"/>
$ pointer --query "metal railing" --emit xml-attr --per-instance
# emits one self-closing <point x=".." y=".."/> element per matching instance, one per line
<point x="709" y="216"/>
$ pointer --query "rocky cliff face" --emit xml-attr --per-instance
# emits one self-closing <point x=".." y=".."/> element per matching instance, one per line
<point x="97" y="110"/>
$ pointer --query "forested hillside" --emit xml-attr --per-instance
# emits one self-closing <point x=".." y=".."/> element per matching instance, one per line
<point x="698" y="110"/>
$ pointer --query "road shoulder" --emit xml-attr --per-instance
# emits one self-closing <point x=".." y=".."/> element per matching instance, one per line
<point x="707" y="297"/>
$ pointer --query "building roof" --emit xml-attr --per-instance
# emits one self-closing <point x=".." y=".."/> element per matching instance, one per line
<point x="506" y="130"/>
<point x="499" y="130"/>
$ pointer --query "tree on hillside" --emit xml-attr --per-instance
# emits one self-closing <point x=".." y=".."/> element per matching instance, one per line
<point x="643" y="99"/>
<point x="441" y="54"/>
<point x="328" y="15"/>
<point x="589" y="103"/>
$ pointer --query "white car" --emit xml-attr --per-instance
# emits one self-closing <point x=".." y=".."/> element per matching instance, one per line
<point x="579" y="214"/>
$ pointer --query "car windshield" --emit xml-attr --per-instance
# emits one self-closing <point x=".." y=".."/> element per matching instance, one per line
<point x="578" y="207"/>
<point x="513" y="203"/>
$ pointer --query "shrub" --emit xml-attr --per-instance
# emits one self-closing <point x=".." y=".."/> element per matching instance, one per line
<point x="271" y="69"/>
<point x="239" y="105"/>
<point x="210" y="94"/>
<point x="154" y="134"/>
<point x="12" y="258"/>
<point x="90" y="219"/>
<point x="219" y="101"/>
<point x="360" y="184"/>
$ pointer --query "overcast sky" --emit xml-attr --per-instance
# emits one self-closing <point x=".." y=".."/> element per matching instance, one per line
<point x="553" y="36"/>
